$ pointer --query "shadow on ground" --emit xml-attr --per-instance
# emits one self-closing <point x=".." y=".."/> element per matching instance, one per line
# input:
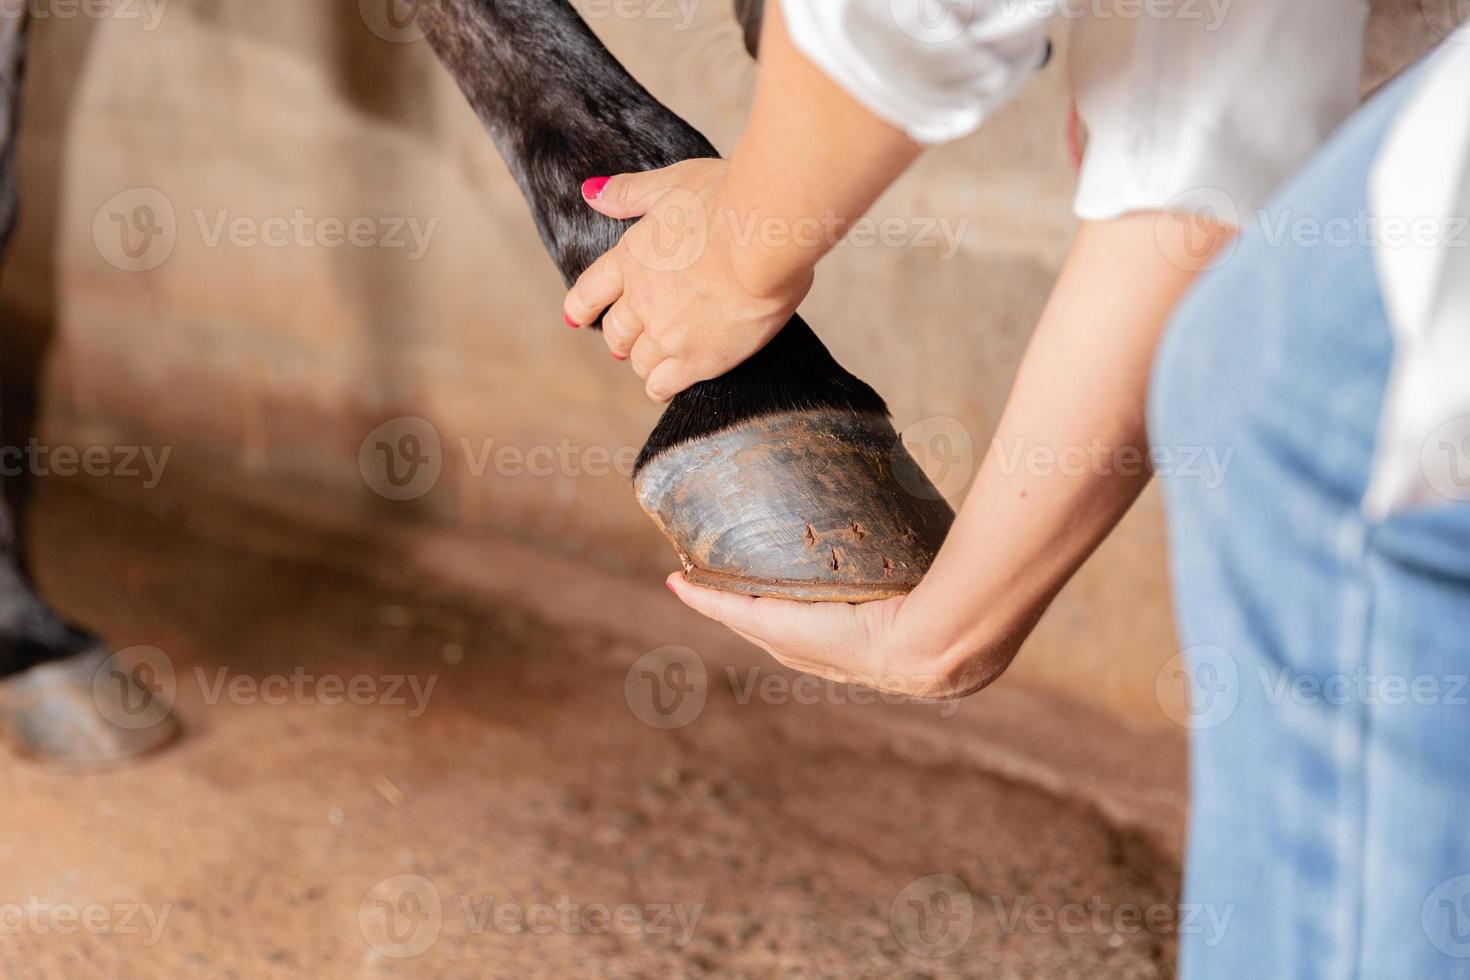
<point x="502" y="811"/>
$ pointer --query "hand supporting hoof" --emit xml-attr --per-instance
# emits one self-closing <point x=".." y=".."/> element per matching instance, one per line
<point x="91" y="710"/>
<point x="822" y="506"/>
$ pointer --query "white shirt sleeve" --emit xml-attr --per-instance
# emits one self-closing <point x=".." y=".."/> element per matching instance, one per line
<point x="1207" y="106"/>
<point x="1211" y="107"/>
<point x="934" y="69"/>
<point x="1194" y="105"/>
<point x="1419" y="195"/>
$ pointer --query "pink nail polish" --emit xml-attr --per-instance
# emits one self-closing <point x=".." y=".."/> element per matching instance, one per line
<point x="670" y="586"/>
<point x="569" y="321"/>
<point x="592" y="187"/>
<point x="617" y="356"/>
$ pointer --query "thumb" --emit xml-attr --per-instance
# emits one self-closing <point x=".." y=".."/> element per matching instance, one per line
<point x="763" y="620"/>
<point x="730" y="608"/>
<point x="629" y="195"/>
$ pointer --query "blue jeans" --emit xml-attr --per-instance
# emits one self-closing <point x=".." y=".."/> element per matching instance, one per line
<point x="1326" y="655"/>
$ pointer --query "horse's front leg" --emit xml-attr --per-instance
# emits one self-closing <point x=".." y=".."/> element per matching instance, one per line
<point x="782" y="477"/>
<point x="63" y="698"/>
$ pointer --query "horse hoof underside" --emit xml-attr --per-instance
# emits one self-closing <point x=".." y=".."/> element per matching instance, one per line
<point x="85" y="711"/>
<point x="822" y="506"/>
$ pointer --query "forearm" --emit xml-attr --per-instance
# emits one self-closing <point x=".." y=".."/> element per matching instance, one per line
<point x="810" y="161"/>
<point x="1069" y="455"/>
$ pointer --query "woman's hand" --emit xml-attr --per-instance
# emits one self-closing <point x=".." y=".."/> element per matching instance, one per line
<point x="684" y="302"/>
<point x="1023" y="530"/>
<point x="724" y="252"/>
<point x="873" y="644"/>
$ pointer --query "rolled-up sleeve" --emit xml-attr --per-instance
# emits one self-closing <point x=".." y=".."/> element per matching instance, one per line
<point x="1190" y="105"/>
<point x="1208" y="105"/>
<point x="934" y="70"/>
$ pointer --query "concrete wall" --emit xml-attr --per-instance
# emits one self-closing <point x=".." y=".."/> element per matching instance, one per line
<point x="191" y="169"/>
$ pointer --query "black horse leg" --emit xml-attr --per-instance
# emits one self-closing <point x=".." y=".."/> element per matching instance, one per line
<point x="30" y="632"/>
<point x="560" y="109"/>
<point x="828" y="505"/>
<point x="51" y="706"/>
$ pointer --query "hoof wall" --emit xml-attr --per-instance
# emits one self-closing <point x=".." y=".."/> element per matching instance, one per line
<point x="86" y="711"/>
<point x="822" y="506"/>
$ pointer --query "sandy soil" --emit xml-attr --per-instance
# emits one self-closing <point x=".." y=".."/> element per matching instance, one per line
<point x="520" y="817"/>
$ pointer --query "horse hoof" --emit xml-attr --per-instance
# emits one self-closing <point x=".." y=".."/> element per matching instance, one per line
<point x="86" y="711"/>
<point x="819" y="506"/>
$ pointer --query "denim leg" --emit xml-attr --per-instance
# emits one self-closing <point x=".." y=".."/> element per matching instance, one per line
<point x="1330" y="742"/>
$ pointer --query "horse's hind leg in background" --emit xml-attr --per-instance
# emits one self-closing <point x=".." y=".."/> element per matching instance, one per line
<point x="782" y="477"/>
<point x="54" y="704"/>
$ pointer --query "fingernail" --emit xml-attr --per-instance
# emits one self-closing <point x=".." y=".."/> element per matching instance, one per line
<point x="592" y="187"/>
<point x="569" y="321"/>
<point x="617" y="356"/>
<point x="670" y="586"/>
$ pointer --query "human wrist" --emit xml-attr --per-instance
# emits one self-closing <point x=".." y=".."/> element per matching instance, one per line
<point x="966" y="642"/>
<point x="764" y="265"/>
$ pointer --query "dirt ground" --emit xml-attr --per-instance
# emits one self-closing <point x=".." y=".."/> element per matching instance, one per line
<point x="494" y="797"/>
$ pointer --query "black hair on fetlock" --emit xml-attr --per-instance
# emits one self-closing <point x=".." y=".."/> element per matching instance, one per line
<point x="560" y="109"/>
<point x="793" y="373"/>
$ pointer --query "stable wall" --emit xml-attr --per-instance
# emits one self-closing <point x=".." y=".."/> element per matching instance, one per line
<point x="320" y="238"/>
